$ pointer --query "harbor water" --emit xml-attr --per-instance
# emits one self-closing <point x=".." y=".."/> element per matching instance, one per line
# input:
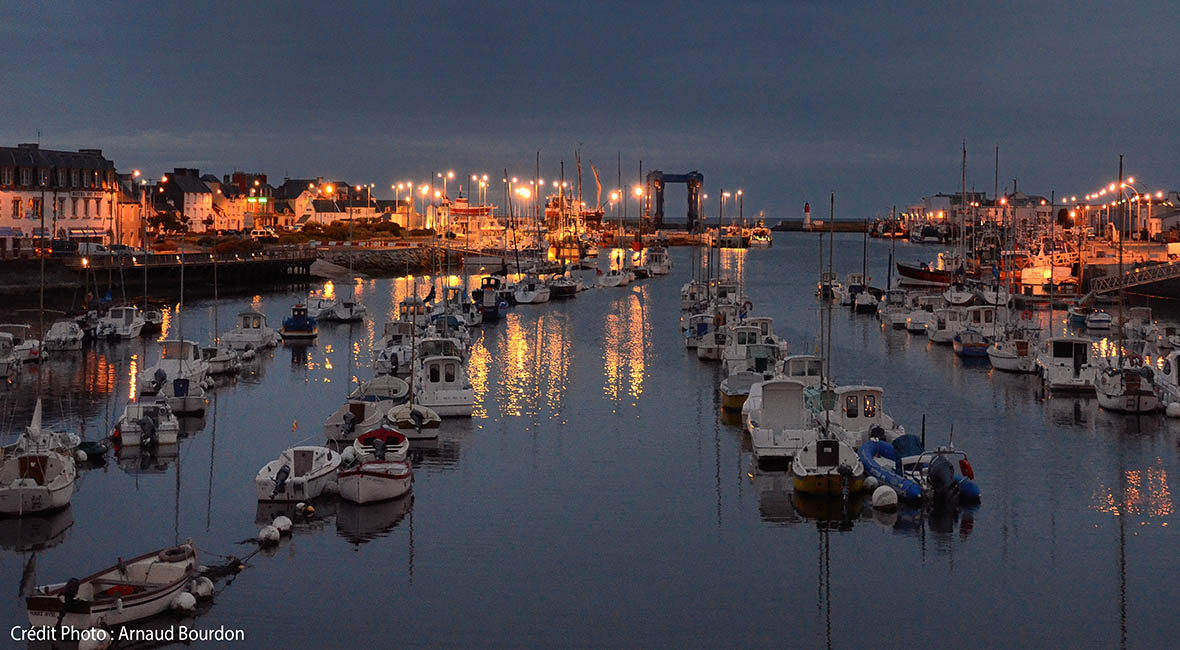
<point x="599" y="496"/>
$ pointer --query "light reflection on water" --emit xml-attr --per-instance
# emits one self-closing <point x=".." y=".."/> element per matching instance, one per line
<point x="654" y="513"/>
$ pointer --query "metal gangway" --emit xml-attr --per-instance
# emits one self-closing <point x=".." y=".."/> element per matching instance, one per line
<point x="1140" y="276"/>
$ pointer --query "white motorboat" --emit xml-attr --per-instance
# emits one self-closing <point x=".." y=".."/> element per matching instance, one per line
<point x="380" y="471"/>
<point x="381" y="444"/>
<point x="865" y="302"/>
<point x="854" y="412"/>
<point x="63" y="335"/>
<point x="1013" y="354"/>
<point x="298" y="474"/>
<point x="614" y="278"/>
<point x="417" y="422"/>
<point x="944" y="323"/>
<point x="712" y="345"/>
<point x="741" y="337"/>
<point x="153" y="319"/>
<point x="921" y="311"/>
<point x="25" y="346"/>
<point x="442" y="386"/>
<point x="10" y="364"/>
<point x="147" y="422"/>
<point x="222" y="359"/>
<point x="531" y="291"/>
<point x="765" y="325"/>
<point x="1126" y="388"/>
<point x="414" y="310"/>
<point x="353" y="418"/>
<point x="893" y="309"/>
<point x="180" y="375"/>
<point x="36" y="477"/>
<point x="395" y="348"/>
<point x="440" y="346"/>
<point x="696" y="328"/>
<point x="855" y="284"/>
<point x="179" y="359"/>
<point x="386" y="390"/>
<point x="693" y="294"/>
<point x="827" y="467"/>
<point x="782" y="425"/>
<point x="1098" y="320"/>
<point x="250" y="333"/>
<point x="1065" y="364"/>
<point x="340" y="311"/>
<point x="120" y="323"/>
<point x="657" y="261"/>
<point x="132" y="590"/>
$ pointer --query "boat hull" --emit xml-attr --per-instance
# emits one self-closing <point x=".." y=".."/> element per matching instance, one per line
<point x="375" y="481"/>
<point x="827" y="484"/>
<point x="917" y="276"/>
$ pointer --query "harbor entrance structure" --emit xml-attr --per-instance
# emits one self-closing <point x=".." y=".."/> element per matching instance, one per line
<point x="654" y="206"/>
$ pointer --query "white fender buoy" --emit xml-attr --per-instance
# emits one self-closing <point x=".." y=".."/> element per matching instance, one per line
<point x="283" y="524"/>
<point x="348" y="456"/>
<point x="884" y="498"/>
<point x="80" y="456"/>
<point x="184" y="601"/>
<point x="871" y="482"/>
<point x="331" y="487"/>
<point x="202" y="587"/>
<point x="1173" y="410"/>
<point x="268" y="536"/>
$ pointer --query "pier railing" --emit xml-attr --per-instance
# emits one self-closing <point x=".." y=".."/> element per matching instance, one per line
<point x="1145" y="275"/>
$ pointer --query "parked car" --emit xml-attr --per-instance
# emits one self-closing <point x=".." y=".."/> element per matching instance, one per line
<point x="92" y="249"/>
<point x="63" y="248"/>
<point x="259" y="234"/>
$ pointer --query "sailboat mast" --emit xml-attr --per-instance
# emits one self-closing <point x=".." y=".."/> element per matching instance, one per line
<point x="1122" y="231"/>
<point x="826" y="380"/>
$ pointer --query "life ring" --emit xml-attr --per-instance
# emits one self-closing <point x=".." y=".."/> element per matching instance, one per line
<point x="1026" y="315"/>
<point x="747" y="306"/>
<point x="174" y="554"/>
<point x="1135" y="360"/>
<point x="966" y="469"/>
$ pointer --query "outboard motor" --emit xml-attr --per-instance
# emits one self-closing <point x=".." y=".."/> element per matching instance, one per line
<point x="941" y="475"/>
<point x="877" y="432"/>
<point x="147" y="432"/>
<point x="349" y="422"/>
<point x="281" y="479"/>
<point x="158" y="379"/>
<point x="379" y="448"/>
<point x="417" y="419"/>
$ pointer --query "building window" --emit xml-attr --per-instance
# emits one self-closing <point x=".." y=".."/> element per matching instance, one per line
<point x="16" y="209"/>
<point x="75" y="178"/>
<point x="74" y="208"/>
<point x="35" y="207"/>
<point x="62" y="177"/>
<point x="6" y="176"/>
<point x="86" y="208"/>
<point x="26" y="175"/>
<point x="61" y="207"/>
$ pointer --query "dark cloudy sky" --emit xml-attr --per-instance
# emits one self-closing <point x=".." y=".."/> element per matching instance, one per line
<point x="786" y="100"/>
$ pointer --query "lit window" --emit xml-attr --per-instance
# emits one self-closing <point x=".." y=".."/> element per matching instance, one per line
<point x="870" y="406"/>
<point x="850" y="406"/>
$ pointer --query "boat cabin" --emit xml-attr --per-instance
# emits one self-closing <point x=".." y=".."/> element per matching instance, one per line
<point x="123" y="315"/>
<point x="444" y="372"/>
<point x="251" y="320"/>
<point x="398" y="331"/>
<point x="411" y="307"/>
<point x="765" y="325"/>
<point x="1067" y="351"/>
<point x="894" y="297"/>
<point x="947" y="319"/>
<point x="180" y="351"/>
<point x="699" y="325"/>
<point x="980" y="316"/>
<point x="805" y="368"/>
<point x="760" y="357"/>
<point x="18" y="332"/>
<point x="859" y="408"/>
<point x="727" y="291"/>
